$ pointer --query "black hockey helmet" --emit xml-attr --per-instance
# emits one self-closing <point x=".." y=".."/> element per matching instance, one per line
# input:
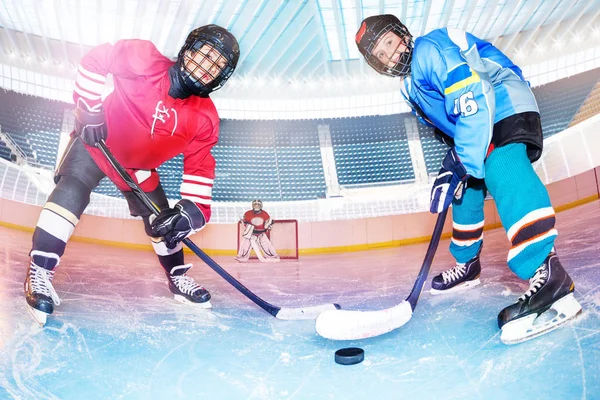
<point x="370" y="32"/>
<point x="219" y="39"/>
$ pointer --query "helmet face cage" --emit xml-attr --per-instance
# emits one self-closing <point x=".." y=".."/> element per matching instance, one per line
<point x="189" y="64"/>
<point x="257" y="205"/>
<point x="195" y="62"/>
<point x="374" y="29"/>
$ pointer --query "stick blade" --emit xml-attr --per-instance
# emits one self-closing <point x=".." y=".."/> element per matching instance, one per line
<point x="352" y="325"/>
<point x="305" y="312"/>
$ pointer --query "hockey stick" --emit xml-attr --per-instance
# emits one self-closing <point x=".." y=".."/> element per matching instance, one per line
<point x="278" y="312"/>
<point x="350" y="324"/>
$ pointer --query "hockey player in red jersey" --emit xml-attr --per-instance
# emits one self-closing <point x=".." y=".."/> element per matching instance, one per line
<point x="157" y="110"/>
<point x="256" y="222"/>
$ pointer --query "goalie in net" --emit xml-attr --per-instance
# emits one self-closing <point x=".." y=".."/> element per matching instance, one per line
<point x="257" y="223"/>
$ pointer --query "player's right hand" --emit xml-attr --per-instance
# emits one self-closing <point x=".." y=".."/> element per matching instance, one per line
<point x="450" y="183"/>
<point x="90" y="125"/>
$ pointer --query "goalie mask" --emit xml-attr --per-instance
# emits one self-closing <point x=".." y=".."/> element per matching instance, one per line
<point x="385" y="53"/>
<point x="205" y="62"/>
<point x="257" y="206"/>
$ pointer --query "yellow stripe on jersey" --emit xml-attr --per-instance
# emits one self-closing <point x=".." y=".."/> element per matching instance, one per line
<point x="463" y="83"/>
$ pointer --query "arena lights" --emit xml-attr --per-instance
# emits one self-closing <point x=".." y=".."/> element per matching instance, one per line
<point x="557" y="44"/>
<point x="295" y="84"/>
<point x="276" y="81"/>
<point x="540" y="48"/>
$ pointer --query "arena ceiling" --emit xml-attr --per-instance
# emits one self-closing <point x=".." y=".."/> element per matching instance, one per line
<point x="284" y="40"/>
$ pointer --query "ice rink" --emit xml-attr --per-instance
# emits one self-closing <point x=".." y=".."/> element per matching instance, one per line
<point x="118" y="334"/>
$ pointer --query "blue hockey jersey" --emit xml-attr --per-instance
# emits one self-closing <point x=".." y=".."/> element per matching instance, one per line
<point x="463" y="85"/>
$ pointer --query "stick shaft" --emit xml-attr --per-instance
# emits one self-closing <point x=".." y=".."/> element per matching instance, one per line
<point x="268" y="307"/>
<point x="413" y="297"/>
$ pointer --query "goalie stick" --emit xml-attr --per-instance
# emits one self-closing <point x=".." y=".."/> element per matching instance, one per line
<point x="353" y="324"/>
<point x="285" y="313"/>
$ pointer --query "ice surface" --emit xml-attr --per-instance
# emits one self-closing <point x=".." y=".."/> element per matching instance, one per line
<point x="118" y="334"/>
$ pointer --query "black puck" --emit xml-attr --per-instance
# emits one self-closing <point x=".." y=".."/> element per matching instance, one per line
<point x="349" y="356"/>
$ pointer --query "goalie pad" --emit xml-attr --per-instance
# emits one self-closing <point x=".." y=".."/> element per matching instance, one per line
<point x="244" y="251"/>
<point x="267" y="248"/>
<point x="248" y="230"/>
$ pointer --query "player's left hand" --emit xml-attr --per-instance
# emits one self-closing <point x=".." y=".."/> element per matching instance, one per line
<point x="451" y="182"/>
<point x="90" y="125"/>
<point x="177" y="223"/>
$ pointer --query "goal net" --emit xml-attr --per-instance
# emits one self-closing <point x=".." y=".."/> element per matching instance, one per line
<point x="283" y="236"/>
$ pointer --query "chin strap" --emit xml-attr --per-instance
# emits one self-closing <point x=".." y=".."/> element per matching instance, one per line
<point x="177" y="90"/>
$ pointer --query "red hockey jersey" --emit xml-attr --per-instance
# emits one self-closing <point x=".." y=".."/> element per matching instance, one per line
<point x="257" y="219"/>
<point x="146" y="126"/>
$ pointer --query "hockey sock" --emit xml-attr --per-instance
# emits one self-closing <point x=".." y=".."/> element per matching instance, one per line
<point x="467" y="222"/>
<point x="524" y="208"/>
<point x="171" y="260"/>
<point x="60" y="215"/>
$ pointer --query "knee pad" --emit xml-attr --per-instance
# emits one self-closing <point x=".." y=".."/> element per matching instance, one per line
<point x="72" y="194"/>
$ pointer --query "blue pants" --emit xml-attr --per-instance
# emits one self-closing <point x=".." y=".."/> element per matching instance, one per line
<point x="523" y="205"/>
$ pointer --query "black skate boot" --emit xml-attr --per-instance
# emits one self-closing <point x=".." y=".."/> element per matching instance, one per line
<point x="550" y="288"/>
<point x="39" y="292"/>
<point x="461" y="277"/>
<point x="185" y="289"/>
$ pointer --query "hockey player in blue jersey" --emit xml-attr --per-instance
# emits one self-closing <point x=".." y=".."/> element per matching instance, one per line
<point x="481" y="106"/>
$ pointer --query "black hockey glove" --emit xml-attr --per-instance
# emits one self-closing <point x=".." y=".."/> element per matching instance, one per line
<point x="90" y="125"/>
<point x="451" y="182"/>
<point x="177" y="223"/>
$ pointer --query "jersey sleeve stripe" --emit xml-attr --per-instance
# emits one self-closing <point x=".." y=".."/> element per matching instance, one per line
<point x="195" y="199"/>
<point x="201" y="179"/>
<point x="91" y="75"/>
<point x="196" y="189"/>
<point x="89" y="85"/>
<point x="86" y="94"/>
<point x="463" y="83"/>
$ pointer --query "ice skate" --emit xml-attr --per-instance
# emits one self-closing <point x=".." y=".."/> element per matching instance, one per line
<point x="546" y="305"/>
<point x="461" y="277"/>
<point x="184" y="288"/>
<point x="39" y="293"/>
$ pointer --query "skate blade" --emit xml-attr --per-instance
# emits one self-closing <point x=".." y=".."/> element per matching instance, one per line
<point x="524" y="329"/>
<point x="39" y="316"/>
<point x="458" y="288"/>
<point x="181" y="299"/>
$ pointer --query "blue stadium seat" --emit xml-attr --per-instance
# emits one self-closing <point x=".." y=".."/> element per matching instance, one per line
<point x="281" y="159"/>
<point x="371" y="150"/>
<point x="559" y="101"/>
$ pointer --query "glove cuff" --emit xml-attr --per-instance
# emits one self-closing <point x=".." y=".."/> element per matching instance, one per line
<point x="194" y="215"/>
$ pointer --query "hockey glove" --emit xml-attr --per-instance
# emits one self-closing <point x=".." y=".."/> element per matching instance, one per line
<point x="450" y="182"/>
<point x="175" y="224"/>
<point x="90" y="125"/>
